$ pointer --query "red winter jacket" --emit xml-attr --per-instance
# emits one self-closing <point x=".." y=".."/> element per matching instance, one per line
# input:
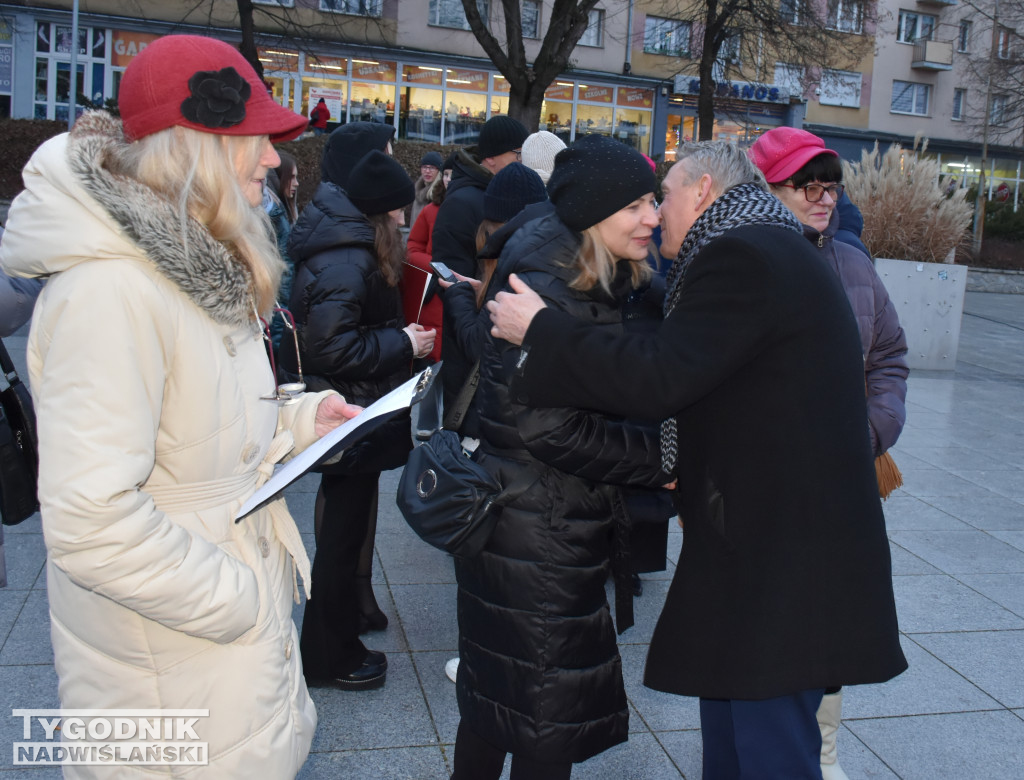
<point x="417" y="273"/>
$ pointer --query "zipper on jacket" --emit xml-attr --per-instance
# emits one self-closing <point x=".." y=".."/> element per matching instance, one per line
<point x="821" y="240"/>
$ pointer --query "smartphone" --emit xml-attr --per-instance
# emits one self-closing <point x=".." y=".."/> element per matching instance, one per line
<point x="444" y="272"/>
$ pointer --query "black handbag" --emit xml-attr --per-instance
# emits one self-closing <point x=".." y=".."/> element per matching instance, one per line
<point x="448" y="499"/>
<point x="19" y="446"/>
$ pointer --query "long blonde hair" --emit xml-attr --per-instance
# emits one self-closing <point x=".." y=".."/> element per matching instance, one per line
<point x="596" y="264"/>
<point x="196" y="172"/>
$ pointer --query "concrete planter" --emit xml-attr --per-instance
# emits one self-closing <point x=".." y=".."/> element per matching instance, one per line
<point x="929" y="298"/>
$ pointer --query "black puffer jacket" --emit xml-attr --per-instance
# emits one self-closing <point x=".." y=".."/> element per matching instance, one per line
<point x="349" y="320"/>
<point x="540" y="673"/>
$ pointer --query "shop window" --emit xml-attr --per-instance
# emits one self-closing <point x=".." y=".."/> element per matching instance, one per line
<point x="915" y="27"/>
<point x="450" y="13"/>
<point x="633" y="128"/>
<point x="666" y="36"/>
<point x="910" y="98"/>
<point x="594" y="34"/>
<point x="465" y="114"/>
<point x="530" y="16"/>
<point x="593" y="120"/>
<point x="840" y="88"/>
<point x="372" y="103"/>
<point x="556" y="117"/>
<point x="354" y="7"/>
<point x="331" y="90"/>
<point x="420" y="115"/>
<point x="959" y="103"/>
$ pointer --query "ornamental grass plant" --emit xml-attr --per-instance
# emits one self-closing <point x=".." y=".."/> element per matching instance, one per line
<point x="911" y="212"/>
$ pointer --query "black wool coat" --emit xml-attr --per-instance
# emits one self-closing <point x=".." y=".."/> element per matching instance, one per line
<point x="349" y="320"/>
<point x="784" y="582"/>
<point x="540" y="673"/>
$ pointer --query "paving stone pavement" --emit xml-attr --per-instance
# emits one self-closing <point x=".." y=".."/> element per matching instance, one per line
<point x="957" y="537"/>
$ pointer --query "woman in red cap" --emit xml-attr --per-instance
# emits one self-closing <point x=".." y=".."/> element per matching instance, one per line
<point x="158" y="412"/>
<point x="807" y="178"/>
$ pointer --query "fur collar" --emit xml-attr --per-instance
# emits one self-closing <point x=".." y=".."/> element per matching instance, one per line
<point x="203" y="268"/>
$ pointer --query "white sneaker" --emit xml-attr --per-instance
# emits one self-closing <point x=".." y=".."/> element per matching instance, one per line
<point x="452" y="668"/>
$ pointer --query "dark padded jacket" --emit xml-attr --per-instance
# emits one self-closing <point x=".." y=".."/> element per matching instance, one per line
<point x="540" y="673"/>
<point x="349" y="320"/>
<point x="882" y="340"/>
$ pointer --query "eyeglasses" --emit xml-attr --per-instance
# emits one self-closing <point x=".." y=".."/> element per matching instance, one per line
<point x="815" y="192"/>
<point x="519" y="154"/>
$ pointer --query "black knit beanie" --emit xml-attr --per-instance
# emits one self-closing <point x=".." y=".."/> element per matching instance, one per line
<point x="432" y="158"/>
<point x="379" y="184"/>
<point x="511" y="190"/>
<point x="500" y="134"/>
<point x="348" y="145"/>
<point x="449" y="161"/>
<point x="594" y="178"/>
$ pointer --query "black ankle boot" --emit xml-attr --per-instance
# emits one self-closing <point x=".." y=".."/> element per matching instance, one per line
<point x="371" y="618"/>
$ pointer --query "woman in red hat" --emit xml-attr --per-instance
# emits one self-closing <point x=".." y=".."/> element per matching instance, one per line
<point x="158" y="412"/>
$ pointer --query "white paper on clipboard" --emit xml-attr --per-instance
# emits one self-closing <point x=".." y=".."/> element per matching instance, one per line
<point x="345" y="435"/>
<point x="426" y="286"/>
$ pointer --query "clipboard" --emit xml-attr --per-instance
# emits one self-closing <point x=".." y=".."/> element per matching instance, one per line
<point x="342" y="437"/>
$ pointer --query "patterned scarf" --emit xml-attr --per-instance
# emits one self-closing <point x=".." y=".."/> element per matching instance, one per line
<point x="746" y="204"/>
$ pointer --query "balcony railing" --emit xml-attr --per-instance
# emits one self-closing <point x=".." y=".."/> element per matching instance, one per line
<point x="933" y="55"/>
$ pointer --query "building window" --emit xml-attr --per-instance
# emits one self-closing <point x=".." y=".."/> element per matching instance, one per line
<point x="915" y="27"/>
<point x="998" y="113"/>
<point x="355" y="7"/>
<point x="594" y="34"/>
<point x="282" y="3"/>
<point x="910" y="98"/>
<point x="531" y="18"/>
<point x="959" y="103"/>
<point x="789" y="78"/>
<point x="963" y="38"/>
<point x="846" y="16"/>
<point x="793" y="11"/>
<point x="1003" y="45"/>
<point x="450" y="13"/>
<point x="666" y="36"/>
<point x="730" y="51"/>
<point x="840" y="88"/>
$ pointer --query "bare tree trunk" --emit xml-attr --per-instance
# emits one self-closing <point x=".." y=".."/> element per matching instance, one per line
<point x="248" y="45"/>
<point x="526" y="107"/>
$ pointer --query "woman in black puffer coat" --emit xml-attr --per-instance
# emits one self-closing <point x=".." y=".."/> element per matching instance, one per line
<point x="540" y="675"/>
<point x="352" y="338"/>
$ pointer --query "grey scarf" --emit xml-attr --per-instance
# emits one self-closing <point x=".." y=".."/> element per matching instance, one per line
<point x="746" y="204"/>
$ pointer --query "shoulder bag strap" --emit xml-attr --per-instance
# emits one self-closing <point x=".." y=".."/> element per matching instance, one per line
<point x="453" y="419"/>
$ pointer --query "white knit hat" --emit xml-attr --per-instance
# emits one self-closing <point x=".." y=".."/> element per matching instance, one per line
<point x="539" y="152"/>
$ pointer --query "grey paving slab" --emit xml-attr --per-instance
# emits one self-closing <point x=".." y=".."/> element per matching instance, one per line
<point x="30" y="525"/>
<point x="964" y="746"/>
<point x="686" y="751"/>
<point x="641" y="758"/>
<point x="966" y="551"/>
<point x="927" y="686"/>
<point x="987" y="513"/>
<point x="29" y="639"/>
<point x="11" y="603"/>
<point x="43" y="773"/>
<point x="857" y="760"/>
<point x="409" y="560"/>
<point x="1015" y="538"/>
<point x="905" y="562"/>
<point x="659" y="711"/>
<point x="907" y="513"/>
<point x="646" y="610"/>
<point x="935" y="482"/>
<point x="989" y="659"/>
<point x="1005" y="482"/>
<point x="25" y="555"/>
<point x="22" y="687"/>
<point x="418" y="763"/>
<point x="439" y="692"/>
<point x="428" y="616"/>
<point x="953" y="459"/>
<point x="1007" y="590"/>
<point x="393" y="716"/>
<point x="934" y="603"/>
<point x="675" y="541"/>
<point x="301" y="505"/>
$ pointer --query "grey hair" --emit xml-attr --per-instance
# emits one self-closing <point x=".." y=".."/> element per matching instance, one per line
<point x="727" y="164"/>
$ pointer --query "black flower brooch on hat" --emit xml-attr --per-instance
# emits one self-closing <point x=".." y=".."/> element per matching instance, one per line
<point x="218" y="98"/>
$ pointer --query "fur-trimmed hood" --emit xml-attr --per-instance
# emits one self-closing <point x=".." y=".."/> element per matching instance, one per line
<point x="111" y="216"/>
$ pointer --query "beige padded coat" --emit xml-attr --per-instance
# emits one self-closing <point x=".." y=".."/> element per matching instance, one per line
<point x="147" y="374"/>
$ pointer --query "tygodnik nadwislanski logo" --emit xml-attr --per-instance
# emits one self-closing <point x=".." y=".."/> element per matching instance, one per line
<point x="111" y="737"/>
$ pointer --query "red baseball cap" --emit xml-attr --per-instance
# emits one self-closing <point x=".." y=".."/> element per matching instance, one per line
<point x="200" y="83"/>
<point x="783" y="151"/>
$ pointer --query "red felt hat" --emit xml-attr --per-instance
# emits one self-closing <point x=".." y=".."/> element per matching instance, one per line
<point x="200" y="83"/>
<point x="783" y="151"/>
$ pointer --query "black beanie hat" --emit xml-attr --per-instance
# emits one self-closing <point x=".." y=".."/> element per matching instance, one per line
<point x="432" y="158"/>
<point x="348" y="145"/>
<point x="500" y="134"/>
<point x="594" y="178"/>
<point x="449" y="161"/>
<point x="379" y="184"/>
<point x="512" y="189"/>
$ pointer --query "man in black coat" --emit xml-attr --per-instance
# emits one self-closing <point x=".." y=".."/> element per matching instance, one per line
<point x="784" y="581"/>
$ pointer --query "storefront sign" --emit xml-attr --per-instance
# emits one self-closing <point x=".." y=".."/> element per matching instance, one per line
<point x="128" y="44"/>
<point x="421" y="74"/>
<point x="6" y="72"/>
<point x="374" y="70"/>
<point x="738" y="90"/>
<point x="328" y="66"/>
<point x="467" y="79"/>
<point x="559" y="91"/>
<point x="636" y="98"/>
<point x="596" y="94"/>
<point x="501" y="84"/>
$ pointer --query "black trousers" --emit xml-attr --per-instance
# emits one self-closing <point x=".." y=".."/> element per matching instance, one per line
<point x="330" y="641"/>
<point x="477" y="759"/>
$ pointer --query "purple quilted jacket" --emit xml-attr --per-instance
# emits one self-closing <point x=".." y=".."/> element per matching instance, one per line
<point x="882" y="340"/>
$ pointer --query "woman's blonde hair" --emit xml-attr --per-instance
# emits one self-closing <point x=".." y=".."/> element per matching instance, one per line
<point x="596" y="264"/>
<point x="197" y="173"/>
